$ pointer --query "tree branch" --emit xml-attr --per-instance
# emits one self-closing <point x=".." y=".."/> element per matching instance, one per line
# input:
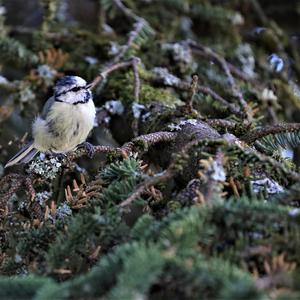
<point x="259" y="133"/>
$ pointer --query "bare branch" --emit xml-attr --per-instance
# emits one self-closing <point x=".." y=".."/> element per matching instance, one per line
<point x="234" y="109"/>
<point x="127" y="12"/>
<point x="109" y="69"/>
<point x="137" y="28"/>
<point x="226" y="68"/>
<point x="186" y="86"/>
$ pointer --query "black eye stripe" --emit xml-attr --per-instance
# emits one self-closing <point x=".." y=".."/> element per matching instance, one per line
<point x="74" y="89"/>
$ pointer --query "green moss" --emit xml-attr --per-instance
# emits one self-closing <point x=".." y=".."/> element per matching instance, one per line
<point x="165" y="96"/>
<point x="123" y="85"/>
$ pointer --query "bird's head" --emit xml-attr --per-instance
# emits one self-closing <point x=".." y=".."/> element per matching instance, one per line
<point x="72" y="90"/>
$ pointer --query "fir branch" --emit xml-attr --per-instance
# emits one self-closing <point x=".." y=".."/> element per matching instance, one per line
<point x="84" y="152"/>
<point x="121" y="169"/>
<point x="146" y="140"/>
<point x="12" y="51"/>
<point x="264" y="162"/>
<point x="159" y="178"/>
<point x="259" y="133"/>
<point x="22" y="287"/>
<point x="118" y="191"/>
<point x="18" y="181"/>
<point x="78" y="196"/>
<point x="156" y="137"/>
<point x="222" y="124"/>
<point x="134" y="280"/>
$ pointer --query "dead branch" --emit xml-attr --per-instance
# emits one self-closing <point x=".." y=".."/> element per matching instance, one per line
<point x="127" y="12"/>
<point x="186" y="86"/>
<point x="137" y="28"/>
<point x="223" y="63"/>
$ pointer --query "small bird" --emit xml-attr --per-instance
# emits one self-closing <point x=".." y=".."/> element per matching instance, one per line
<point x="65" y="122"/>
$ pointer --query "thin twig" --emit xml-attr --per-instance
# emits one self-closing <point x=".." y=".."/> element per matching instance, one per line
<point x="234" y="109"/>
<point x="137" y="82"/>
<point x="137" y="28"/>
<point x="223" y="63"/>
<point x="132" y="62"/>
<point x="233" y="69"/>
<point x="185" y="86"/>
<point x="109" y="69"/>
<point x="193" y="92"/>
<point x="127" y="12"/>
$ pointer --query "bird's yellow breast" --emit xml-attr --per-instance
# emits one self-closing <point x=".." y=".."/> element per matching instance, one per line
<point x="65" y="126"/>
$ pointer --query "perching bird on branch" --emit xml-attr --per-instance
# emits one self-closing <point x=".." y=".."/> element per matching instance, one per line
<point x="66" y="120"/>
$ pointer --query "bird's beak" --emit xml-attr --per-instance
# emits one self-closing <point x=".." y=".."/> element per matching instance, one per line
<point x="88" y="86"/>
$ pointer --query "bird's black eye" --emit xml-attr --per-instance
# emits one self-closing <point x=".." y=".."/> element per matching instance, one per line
<point x="76" y="89"/>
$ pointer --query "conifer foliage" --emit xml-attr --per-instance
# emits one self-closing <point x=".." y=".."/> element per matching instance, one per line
<point x="193" y="188"/>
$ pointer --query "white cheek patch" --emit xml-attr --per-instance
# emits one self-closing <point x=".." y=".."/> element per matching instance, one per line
<point x="67" y="97"/>
<point x="74" y="97"/>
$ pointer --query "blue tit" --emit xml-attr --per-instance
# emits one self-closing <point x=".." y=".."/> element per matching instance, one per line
<point x="65" y="122"/>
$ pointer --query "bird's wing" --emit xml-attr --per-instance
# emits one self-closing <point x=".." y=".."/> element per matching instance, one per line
<point x="25" y="155"/>
<point x="47" y="107"/>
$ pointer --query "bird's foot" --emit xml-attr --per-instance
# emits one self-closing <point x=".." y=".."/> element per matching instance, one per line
<point x="60" y="156"/>
<point x="89" y="148"/>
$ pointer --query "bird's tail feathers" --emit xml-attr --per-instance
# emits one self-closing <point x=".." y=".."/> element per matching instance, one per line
<point x="25" y="155"/>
